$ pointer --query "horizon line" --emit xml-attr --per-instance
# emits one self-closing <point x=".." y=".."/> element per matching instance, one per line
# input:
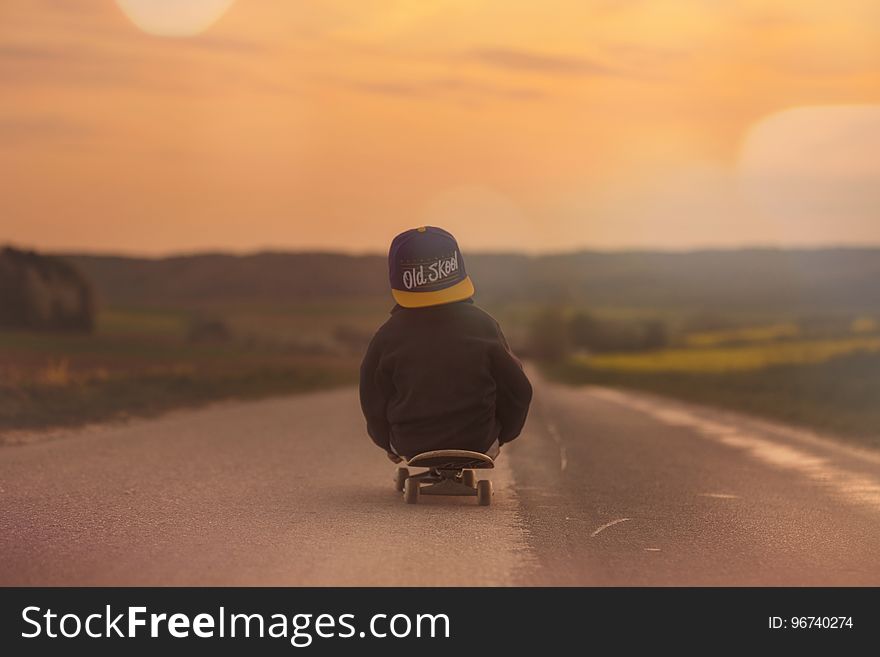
<point x="354" y="253"/>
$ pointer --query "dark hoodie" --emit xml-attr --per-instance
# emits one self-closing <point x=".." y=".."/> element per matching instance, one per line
<point x="442" y="377"/>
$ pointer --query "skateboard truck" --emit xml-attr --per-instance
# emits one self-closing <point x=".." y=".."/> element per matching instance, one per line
<point x="450" y="472"/>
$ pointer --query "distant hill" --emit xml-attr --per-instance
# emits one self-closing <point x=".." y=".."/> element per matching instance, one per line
<point x="219" y="279"/>
<point x="753" y="280"/>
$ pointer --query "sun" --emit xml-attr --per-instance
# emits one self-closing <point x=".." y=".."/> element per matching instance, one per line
<point x="814" y="168"/>
<point x="174" y="18"/>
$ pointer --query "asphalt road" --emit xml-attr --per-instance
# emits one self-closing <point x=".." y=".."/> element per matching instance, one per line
<point x="603" y="488"/>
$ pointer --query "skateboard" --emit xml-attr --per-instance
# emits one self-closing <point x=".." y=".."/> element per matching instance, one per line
<point x="450" y="472"/>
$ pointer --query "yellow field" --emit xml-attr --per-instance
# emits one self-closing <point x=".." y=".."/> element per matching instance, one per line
<point x="733" y="358"/>
<point x="748" y="334"/>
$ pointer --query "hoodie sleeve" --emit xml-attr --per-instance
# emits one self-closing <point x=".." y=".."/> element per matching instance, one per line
<point x="375" y="390"/>
<point x="513" y="390"/>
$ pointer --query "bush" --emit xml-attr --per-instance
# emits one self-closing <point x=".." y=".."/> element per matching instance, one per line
<point x="553" y="334"/>
<point x="548" y="337"/>
<point x="592" y="334"/>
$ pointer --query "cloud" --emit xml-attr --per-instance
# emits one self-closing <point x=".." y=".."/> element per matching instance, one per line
<point x="464" y="86"/>
<point x="773" y="20"/>
<point x="825" y="63"/>
<point x="535" y="62"/>
<point x="26" y="129"/>
<point x="19" y="52"/>
<point x="640" y="53"/>
<point x="222" y="43"/>
<point x="137" y="64"/>
<point x="459" y="88"/>
<point x="400" y="89"/>
<point x="615" y="6"/>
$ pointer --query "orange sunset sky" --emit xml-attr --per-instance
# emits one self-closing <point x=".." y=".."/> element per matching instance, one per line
<point x="160" y="126"/>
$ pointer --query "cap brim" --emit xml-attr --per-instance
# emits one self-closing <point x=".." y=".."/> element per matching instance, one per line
<point x="458" y="292"/>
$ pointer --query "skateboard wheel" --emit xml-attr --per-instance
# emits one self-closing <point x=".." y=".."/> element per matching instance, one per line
<point x="484" y="492"/>
<point x="400" y="478"/>
<point x="469" y="478"/>
<point x="411" y="491"/>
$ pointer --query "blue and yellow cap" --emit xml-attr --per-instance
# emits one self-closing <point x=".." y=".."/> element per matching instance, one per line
<point x="426" y="269"/>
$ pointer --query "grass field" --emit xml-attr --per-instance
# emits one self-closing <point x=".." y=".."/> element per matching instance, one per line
<point x="141" y="362"/>
<point x="830" y="384"/>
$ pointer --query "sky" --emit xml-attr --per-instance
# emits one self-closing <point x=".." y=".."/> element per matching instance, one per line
<point x="169" y="126"/>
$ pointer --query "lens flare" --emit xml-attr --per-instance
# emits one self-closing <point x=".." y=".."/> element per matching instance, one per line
<point x="174" y="18"/>
<point x="815" y="171"/>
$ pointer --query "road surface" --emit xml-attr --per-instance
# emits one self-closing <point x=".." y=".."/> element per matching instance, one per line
<point x="603" y="488"/>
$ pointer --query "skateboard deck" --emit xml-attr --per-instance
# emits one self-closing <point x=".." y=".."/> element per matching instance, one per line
<point x="451" y="459"/>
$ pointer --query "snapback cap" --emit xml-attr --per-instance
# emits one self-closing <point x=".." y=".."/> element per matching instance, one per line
<point x="426" y="268"/>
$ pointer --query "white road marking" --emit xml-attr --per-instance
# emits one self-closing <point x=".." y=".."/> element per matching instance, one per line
<point x="652" y="549"/>
<point x="846" y="484"/>
<point x="601" y="529"/>
<point x="720" y="496"/>
<point x="563" y="455"/>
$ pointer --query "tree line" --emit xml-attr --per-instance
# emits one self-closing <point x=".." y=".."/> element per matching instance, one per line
<point x="555" y="332"/>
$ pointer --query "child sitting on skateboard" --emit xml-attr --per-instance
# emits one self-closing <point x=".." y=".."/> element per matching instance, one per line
<point x="439" y="373"/>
